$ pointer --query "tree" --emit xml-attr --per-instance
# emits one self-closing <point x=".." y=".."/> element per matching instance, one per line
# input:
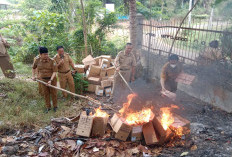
<point x="133" y="27"/>
<point x="84" y="28"/>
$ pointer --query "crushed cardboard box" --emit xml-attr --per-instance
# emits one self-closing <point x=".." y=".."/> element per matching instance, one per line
<point x="103" y="73"/>
<point x="110" y="71"/>
<point x="104" y="64"/>
<point x="136" y="133"/>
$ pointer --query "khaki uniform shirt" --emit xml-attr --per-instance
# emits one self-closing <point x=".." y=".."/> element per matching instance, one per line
<point x="3" y="47"/>
<point x="65" y="67"/>
<point x="125" y="62"/>
<point x="169" y="73"/>
<point x="45" y="67"/>
<point x="212" y="53"/>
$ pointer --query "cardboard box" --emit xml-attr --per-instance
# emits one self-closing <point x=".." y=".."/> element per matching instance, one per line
<point x="104" y="64"/>
<point x="185" y="78"/>
<point x="108" y="57"/>
<point x="94" y="71"/>
<point x="180" y="125"/>
<point x="159" y="128"/>
<point x="99" y="126"/>
<point x="97" y="60"/>
<point x="110" y="71"/>
<point x="94" y="80"/>
<point x="85" y="125"/>
<point x="80" y="68"/>
<point x="89" y="60"/>
<point x="149" y="134"/>
<point x="99" y="91"/>
<point x="103" y="73"/>
<point x="108" y="91"/>
<point x="91" y="88"/>
<point x="136" y="133"/>
<point x="106" y="83"/>
<point x="104" y="78"/>
<point x="121" y="129"/>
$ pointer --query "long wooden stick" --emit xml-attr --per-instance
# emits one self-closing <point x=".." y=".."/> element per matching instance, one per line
<point x="76" y="95"/>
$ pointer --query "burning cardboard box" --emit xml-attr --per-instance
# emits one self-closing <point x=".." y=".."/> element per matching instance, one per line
<point x="99" y="123"/>
<point x="85" y="125"/>
<point x="121" y="129"/>
<point x="181" y="126"/>
<point x="149" y="134"/>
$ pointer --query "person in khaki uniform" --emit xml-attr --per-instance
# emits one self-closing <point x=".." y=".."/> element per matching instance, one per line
<point x="47" y="70"/>
<point x="125" y="63"/>
<point x="64" y="62"/>
<point x="5" y="62"/>
<point x="39" y="84"/>
<point x="169" y="73"/>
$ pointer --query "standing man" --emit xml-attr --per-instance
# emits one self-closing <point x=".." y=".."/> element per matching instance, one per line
<point x="47" y="70"/>
<point x="125" y="63"/>
<point x="5" y="62"/>
<point x="64" y="61"/>
<point x="169" y="73"/>
<point x="39" y="84"/>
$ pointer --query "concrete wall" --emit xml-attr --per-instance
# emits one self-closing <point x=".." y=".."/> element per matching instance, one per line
<point x="211" y="85"/>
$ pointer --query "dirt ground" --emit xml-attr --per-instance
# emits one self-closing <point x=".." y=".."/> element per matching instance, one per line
<point x="211" y="131"/>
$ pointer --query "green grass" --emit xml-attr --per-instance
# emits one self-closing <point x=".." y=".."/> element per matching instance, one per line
<point x="24" y="107"/>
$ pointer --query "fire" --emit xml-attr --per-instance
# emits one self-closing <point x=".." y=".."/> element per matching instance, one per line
<point x="132" y="117"/>
<point x="127" y="104"/>
<point x="140" y="117"/>
<point x="167" y="118"/>
<point x="100" y="113"/>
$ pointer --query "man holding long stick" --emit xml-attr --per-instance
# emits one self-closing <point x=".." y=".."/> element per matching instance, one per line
<point x="47" y="70"/>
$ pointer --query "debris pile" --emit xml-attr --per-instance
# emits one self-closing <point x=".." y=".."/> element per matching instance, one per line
<point x="99" y="72"/>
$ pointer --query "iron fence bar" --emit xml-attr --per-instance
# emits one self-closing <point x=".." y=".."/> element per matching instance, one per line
<point x="206" y="30"/>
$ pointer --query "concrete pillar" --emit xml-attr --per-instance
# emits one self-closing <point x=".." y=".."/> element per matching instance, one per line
<point x="139" y="20"/>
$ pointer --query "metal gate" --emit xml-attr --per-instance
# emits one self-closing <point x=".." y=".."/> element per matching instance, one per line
<point x="192" y="40"/>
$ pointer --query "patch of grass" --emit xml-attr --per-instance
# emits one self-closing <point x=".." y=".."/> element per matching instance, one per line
<point x="21" y="69"/>
<point x="24" y="107"/>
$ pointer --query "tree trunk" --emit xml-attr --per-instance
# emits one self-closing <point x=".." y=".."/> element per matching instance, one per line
<point x="133" y="27"/>
<point x="84" y="28"/>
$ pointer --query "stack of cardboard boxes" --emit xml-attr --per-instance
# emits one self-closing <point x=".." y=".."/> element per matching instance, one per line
<point x="99" y="72"/>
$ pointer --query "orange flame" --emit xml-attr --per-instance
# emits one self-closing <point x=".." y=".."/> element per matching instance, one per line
<point x="132" y="117"/>
<point x="140" y="117"/>
<point x="167" y="118"/>
<point x="127" y="104"/>
<point x="100" y="113"/>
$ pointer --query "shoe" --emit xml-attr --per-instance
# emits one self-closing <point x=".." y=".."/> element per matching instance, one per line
<point x="54" y="109"/>
<point x="47" y="110"/>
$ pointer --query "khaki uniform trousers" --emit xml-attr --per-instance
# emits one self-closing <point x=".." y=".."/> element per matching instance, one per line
<point x="50" y="92"/>
<point x="65" y="79"/>
<point x="119" y="87"/>
<point x="7" y="66"/>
